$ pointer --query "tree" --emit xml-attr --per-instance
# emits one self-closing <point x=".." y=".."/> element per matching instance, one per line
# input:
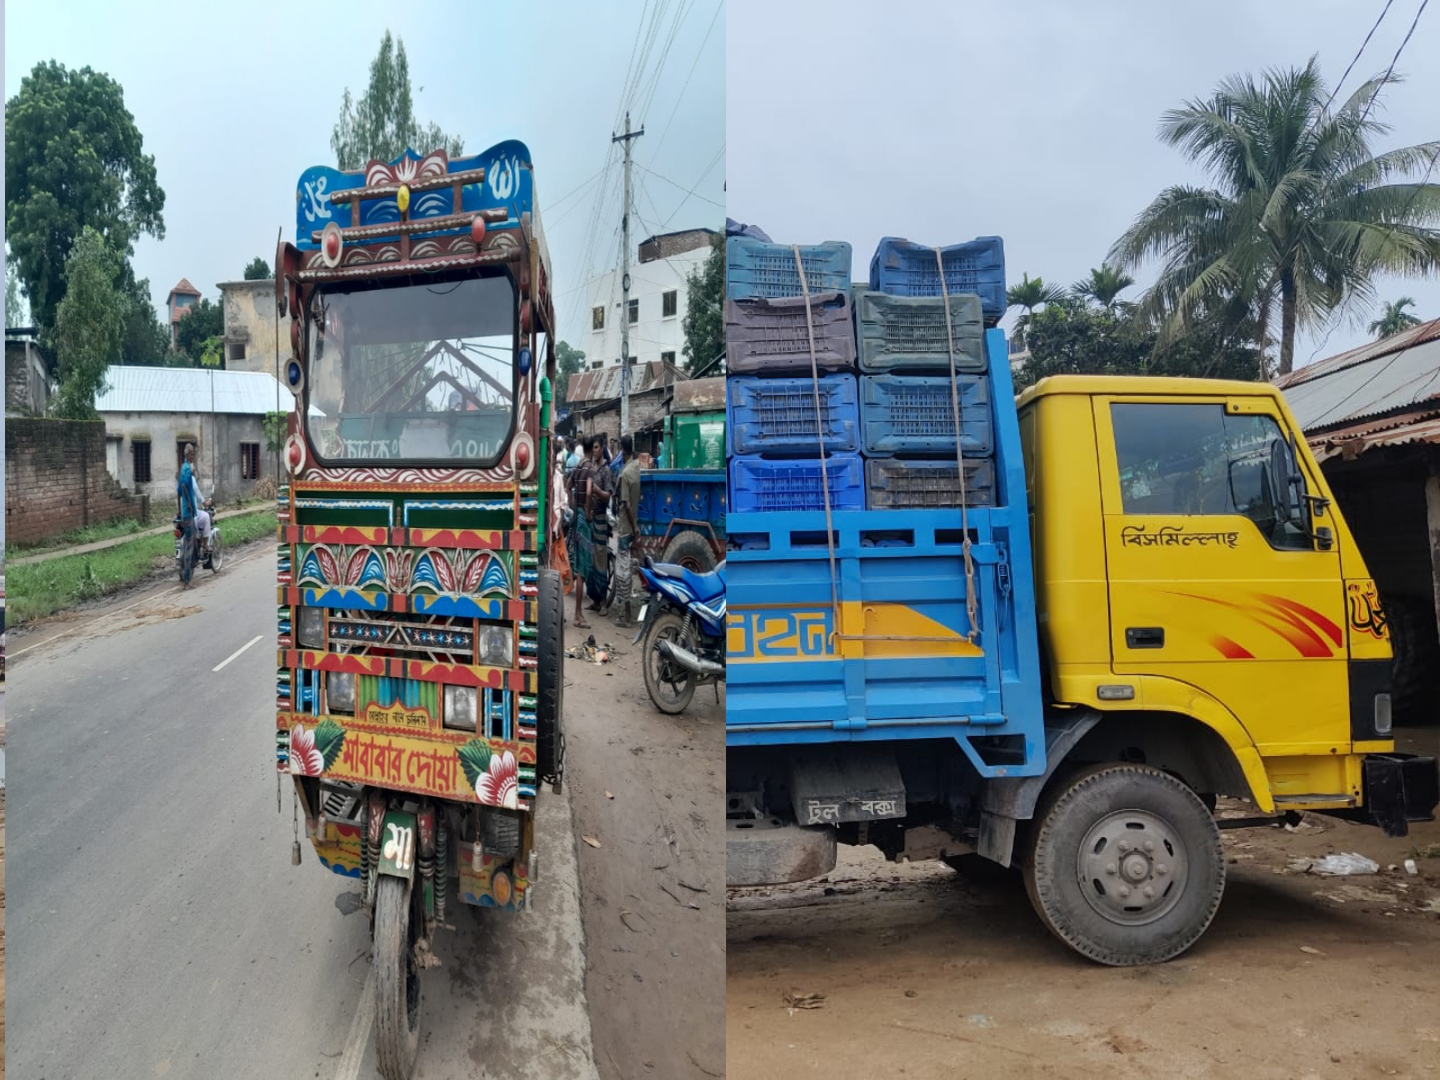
<point x="73" y="158"/>
<point x="17" y="311"/>
<point x="704" y="323"/>
<point x="258" y="270"/>
<point x="197" y="327"/>
<point x="1301" y="215"/>
<point x="1030" y="294"/>
<point x="568" y="361"/>
<point x="1394" y="318"/>
<point x="1077" y="339"/>
<point x="89" y="324"/>
<point x="382" y="125"/>
<point x="1104" y="285"/>
<point x="146" y="340"/>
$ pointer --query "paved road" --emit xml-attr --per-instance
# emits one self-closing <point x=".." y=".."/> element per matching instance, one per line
<point x="156" y="927"/>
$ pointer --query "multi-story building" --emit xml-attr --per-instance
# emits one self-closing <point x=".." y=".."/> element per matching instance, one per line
<point x="658" y="293"/>
<point x="182" y="298"/>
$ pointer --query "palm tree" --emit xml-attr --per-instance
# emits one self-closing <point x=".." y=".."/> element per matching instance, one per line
<point x="1394" y="318"/>
<point x="1301" y="214"/>
<point x="1104" y="285"/>
<point x="1030" y="294"/>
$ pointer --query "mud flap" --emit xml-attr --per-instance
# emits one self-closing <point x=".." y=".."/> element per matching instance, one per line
<point x="399" y="841"/>
<point x="1399" y="789"/>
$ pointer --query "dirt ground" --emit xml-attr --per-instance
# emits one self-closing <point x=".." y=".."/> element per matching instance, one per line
<point x="1299" y="977"/>
<point x="649" y="788"/>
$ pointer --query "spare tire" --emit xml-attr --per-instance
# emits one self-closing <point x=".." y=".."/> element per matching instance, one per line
<point x="1415" y="677"/>
<point x="690" y="550"/>
<point x="550" y="677"/>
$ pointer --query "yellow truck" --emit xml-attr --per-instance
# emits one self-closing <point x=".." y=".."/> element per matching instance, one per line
<point x="1161" y="605"/>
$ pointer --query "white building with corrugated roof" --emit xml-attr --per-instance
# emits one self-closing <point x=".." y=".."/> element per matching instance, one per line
<point x="150" y="413"/>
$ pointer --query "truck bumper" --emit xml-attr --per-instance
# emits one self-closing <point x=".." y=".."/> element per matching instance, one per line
<point x="1399" y="789"/>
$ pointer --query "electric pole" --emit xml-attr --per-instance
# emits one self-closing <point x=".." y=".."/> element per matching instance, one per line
<point x="625" y="140"/>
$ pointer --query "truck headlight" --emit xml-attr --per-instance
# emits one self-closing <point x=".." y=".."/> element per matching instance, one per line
<point x="497" y="646"/>
<point x="1382" y="714"/>
<point x="312" y="627"/>
<point x="340" y="692"/>
<point x="460" y="707"/>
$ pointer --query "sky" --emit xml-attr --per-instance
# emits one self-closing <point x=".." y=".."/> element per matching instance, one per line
<point x="1032" y="121"/>
<point x="236" y="100"/>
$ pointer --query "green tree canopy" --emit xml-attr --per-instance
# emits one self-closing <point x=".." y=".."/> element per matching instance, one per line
<point x="1394" y="318"/>
<point x="258" y="270"/>
<point x="197" y="326"/>
<point x="1103" y="285"/>
<point x="1071" y="338"/>
<point x="704" y="322"/>
<point x="89" y="325"/>
<point x="381" y="125"/>
<point x="1301" y="215"/>
<point x="146" y="340"/>
<point x="73" y="159"/>
<point x="1030" y="294"/>
<point x="568" y="361"/>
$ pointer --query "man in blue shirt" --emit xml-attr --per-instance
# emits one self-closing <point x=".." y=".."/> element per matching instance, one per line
<point x="188" y="498"/>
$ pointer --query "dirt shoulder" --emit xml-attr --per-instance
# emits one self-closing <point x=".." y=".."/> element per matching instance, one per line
<point x="652" y="893"/>
<point x="927" y="975"/>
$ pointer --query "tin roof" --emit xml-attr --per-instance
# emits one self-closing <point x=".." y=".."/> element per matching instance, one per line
<point x="604" y="384"/>
<point x="699" y="395"/>
<point x="189" y="390"/>
<point x="1383" y="393"/>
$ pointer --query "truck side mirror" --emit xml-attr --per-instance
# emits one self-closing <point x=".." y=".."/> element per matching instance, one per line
<point x="1281" y="482"/>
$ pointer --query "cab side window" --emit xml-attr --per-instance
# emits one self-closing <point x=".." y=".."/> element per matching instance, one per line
<point x="1199" y="460"/>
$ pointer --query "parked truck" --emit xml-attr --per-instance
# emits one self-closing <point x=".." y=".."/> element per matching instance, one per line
<point x="1153" y="604"/>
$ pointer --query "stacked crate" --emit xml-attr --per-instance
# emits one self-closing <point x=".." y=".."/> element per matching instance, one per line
<point x="775" y="435"/>
<point x="889" y="434"/>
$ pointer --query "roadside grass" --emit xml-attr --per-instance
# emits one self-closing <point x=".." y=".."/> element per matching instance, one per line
<point x="105" y="530"/>
<point x="40" y="589"/>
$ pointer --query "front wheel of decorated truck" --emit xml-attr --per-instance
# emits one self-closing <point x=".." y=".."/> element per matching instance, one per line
<point x="550" y="696"/>
<point x="397" y="977"/>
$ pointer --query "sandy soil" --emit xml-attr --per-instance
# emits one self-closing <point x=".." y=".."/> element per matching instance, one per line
<point x="652" y="892"/>
<point x="928" y="975"/>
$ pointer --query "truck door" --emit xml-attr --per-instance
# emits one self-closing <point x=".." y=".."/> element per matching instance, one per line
<point x="1214" y="576"/>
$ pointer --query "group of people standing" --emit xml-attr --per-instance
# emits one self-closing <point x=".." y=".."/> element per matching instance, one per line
<point x="595" y="482"/>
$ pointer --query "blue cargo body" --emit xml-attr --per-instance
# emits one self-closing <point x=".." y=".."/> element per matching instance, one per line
<point x="902" y="268"/>
<point x="763" y="484"/>
<point x="882" y="651"/>
<point x="755" y="268"/>
<point x="777" y="416"/>
<point x="693" y="494"/>
<point x="915" y="415"/>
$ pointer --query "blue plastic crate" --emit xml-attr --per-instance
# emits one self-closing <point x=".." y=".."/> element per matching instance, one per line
<point x="909" y="333"/>
<point x="755" y="268"/>
<point x="895" y="484"/>
<point x="761" y="484"/>
<point x="777" y="416"/>
<point x="914" y="415"/>
<point x="902" y="268"/>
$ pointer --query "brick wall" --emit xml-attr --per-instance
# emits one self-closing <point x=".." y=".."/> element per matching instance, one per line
<point x="55" y="479"/>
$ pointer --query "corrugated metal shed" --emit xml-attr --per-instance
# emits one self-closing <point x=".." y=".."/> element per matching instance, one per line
<point x="1396" y="374"/>
<point x="699" y="395"/>
<point x="189" y="390"/>
<point x="589" y="387"/>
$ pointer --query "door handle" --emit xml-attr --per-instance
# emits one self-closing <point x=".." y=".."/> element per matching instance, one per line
<point x="1145" y="637"/>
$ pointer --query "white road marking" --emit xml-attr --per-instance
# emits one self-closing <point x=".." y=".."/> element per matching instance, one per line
<point x="237" y="652"/>
<point x="359" y="1037"/>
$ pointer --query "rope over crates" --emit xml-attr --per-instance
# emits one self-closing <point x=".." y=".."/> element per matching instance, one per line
<point x="970" y="607"/>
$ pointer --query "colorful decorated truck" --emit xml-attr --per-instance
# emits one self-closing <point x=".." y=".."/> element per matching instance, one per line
<point x="420" y="658"/>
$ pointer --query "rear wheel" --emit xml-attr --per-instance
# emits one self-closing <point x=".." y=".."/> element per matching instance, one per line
<point x="217" y="551"/>
<point x="670" y="686"/>
<point x="397" y="977"/>
<point x="550" y="670"/>
<point x="1125" y="865"/>
<point x="690" y="550"/>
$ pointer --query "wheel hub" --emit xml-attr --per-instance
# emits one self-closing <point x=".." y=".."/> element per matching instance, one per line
<point x="1132" y="867"/>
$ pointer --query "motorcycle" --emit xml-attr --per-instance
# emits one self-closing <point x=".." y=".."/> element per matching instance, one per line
<point x="683" y="626"/>
<point x="211" y="555"/>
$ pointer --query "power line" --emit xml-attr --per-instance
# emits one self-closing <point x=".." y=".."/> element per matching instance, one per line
<point x="698" y="54"/>
<point x="582" y="187"/>
<point x="1355" y="59"/>
<point x="1385" y="79"/>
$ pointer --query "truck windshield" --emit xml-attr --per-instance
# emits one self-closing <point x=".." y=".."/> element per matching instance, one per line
<point x="422" y="371"/>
